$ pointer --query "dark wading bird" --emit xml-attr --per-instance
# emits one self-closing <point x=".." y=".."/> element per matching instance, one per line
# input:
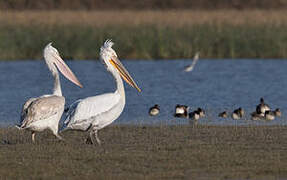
<point x="153" y="111"/>
<point x="97" y="112"/>
<point x="262" y="107"/>
<point x="223" y="114"/>
<point x="269" y="115"/>
<point x="278" y="112"/>
<point x="237" y="113"/>
<point x="195" y="115"/>
<point x="181" y="111"/>
<point x="201" y="112"/>
<point x="255" y="116"/>
<point x="45" y="112"/>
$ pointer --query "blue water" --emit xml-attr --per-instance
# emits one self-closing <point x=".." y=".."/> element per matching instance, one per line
<point x="215" y="85"/>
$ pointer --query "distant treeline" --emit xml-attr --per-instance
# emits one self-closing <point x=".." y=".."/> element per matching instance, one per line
<point x="143" y="4"/>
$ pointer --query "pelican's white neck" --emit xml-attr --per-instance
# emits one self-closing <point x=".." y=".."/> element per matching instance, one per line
<point x="57" y="85"/>
<point x="119" y="82"/>
<point x="49" y="59"/>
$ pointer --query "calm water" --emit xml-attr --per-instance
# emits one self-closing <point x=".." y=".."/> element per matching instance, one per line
<point x="215" y="85"/>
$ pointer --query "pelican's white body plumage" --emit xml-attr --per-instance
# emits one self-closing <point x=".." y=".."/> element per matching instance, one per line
<point x="98" y="111"/>
<point x="45" y="111"/>
<point x="95" y="113"/>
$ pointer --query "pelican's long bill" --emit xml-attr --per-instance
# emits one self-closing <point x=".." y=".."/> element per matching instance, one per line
<point x="66" y="71"/>
<point x="123" y="72"/>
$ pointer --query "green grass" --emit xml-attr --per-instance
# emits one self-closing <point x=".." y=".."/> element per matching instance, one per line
<point x="146" y="41"/>
<point x="139" y="152"/>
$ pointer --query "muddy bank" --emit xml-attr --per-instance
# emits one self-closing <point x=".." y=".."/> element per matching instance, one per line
<point x="142" y="152"/>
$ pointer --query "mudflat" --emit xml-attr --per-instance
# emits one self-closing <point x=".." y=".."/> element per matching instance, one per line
<point x="148" y="152"/>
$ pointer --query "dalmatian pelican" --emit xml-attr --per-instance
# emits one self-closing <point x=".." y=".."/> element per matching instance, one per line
<point x="45" y="112"/>
<point x="96" y="112"/>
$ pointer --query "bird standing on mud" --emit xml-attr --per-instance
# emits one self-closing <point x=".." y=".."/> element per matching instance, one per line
<point x="262" y="107"/>
<point x="181" y="111"/>
<point x="201" y="112"/>
<point x="153" y="111"/>
<point x="277" y="112"/>
<point x="269" y="115"/>
<point x="195" y="115"/>
<point x="97" y="112"/>
<point x="237" y="113"/>
<point x="45" y="111"/>
<point x="223" y="114"/>
<point x="255" y="116"/>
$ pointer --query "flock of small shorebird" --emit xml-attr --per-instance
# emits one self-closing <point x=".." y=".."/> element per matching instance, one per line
<point x="262" y="112"/>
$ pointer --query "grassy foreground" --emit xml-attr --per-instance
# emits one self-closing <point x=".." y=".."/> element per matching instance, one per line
<point x="145" y="35"/>
<point x="138" y="152"/>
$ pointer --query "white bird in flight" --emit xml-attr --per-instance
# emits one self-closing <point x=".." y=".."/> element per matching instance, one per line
<point x="97" y="112"/>
<point x="190" y="67"/>
<point x="45" y="112"/>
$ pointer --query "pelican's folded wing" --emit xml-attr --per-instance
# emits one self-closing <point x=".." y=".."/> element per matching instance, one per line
<point x="84" y="111"/>
<point x="25" y="108"/>
<point x="43" y="108"/>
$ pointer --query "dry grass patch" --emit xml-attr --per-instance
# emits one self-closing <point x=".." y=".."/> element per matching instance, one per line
<point x="174" y="18"/>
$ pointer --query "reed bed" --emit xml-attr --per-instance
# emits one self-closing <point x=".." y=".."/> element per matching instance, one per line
<point x="145" y="35"/>
<point x="148" y="152"/>
<point x="146" y="42"/>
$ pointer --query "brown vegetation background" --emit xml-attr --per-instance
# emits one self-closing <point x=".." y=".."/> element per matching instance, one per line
<point x="145" y="34"/>
<point x="144" y="4"/>
<point x="133" y="18"/>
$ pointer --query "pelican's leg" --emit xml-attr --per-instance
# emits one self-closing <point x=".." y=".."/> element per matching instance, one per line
<point x="59" y="137"/>
<point x="55" y="132"/>
<point x="96" y="136"/>
<point x="33" y="136"/>
<point x="90" y="138"/>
